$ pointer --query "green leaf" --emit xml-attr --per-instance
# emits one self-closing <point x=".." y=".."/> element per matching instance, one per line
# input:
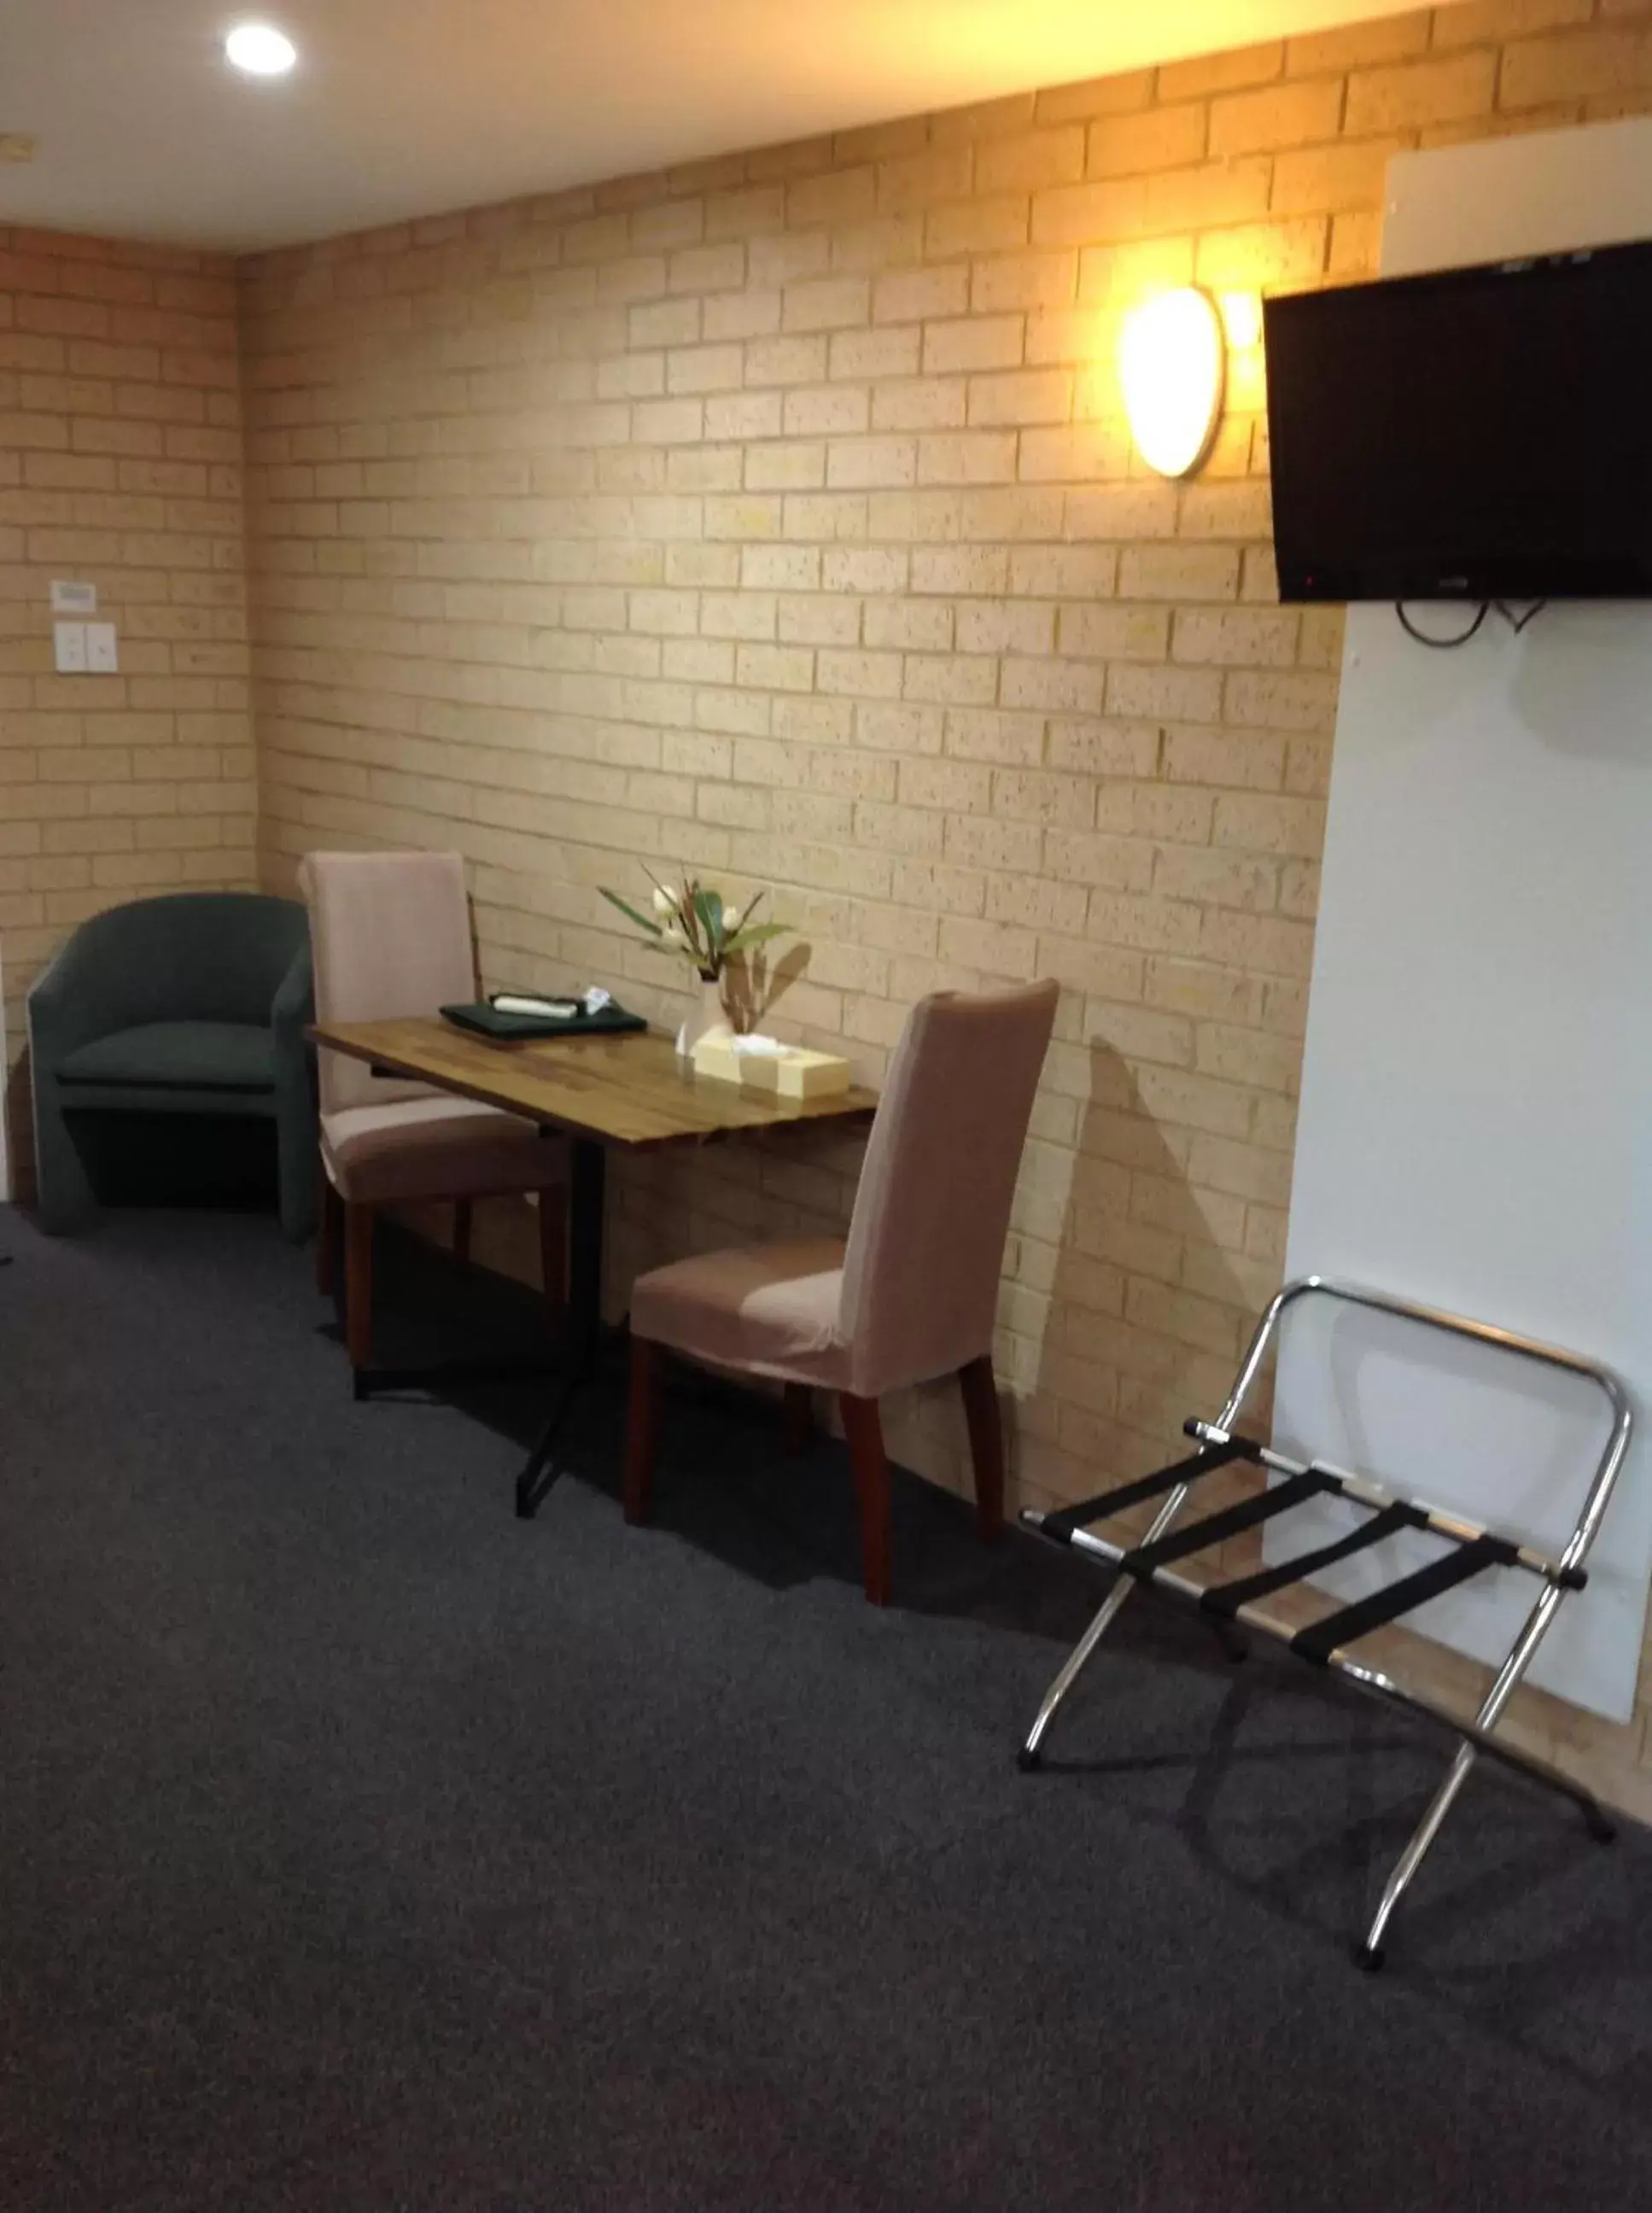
<point x="759" y="933"/>
<point x="709" y="907"/>
<point x="629" y="910"/>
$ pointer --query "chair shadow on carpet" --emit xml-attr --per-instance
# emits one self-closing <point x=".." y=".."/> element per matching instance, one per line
<point x="725" y="1485"/>
<point x="1293" y="1793"/>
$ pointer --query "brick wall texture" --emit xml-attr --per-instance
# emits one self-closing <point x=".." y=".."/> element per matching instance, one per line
<point x="120" y="466"/>
<point x="775" y="518"/>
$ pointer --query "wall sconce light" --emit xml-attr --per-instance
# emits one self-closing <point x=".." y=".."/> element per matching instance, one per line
<point x="1172" y="360"/>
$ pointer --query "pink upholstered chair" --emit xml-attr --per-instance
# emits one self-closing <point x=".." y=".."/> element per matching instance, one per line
<point x="391" y="935"/>
<point x="914" y="1294"/>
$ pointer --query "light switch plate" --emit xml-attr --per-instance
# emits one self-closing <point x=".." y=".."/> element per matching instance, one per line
<point x="102" y="655"/>
<point x="68" y="647"/>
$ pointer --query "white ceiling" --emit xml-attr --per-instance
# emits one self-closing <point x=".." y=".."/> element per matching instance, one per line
<point x="404" y="108"/>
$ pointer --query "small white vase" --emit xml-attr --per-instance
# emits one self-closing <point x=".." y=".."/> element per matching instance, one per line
<point x="707" y="1015"/>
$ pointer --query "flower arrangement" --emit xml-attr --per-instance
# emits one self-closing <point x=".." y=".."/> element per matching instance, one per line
<point x="698" y="924"/>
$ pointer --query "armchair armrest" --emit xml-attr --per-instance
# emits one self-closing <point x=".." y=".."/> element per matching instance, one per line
<point x="293" y="1008"/>
<point x="80" y="995"/>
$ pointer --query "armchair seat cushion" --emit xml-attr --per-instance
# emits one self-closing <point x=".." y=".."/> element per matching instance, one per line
<point x="191" y="1056"/>
<point x="435" y="1148"/>
<point x="766" y="1309"/>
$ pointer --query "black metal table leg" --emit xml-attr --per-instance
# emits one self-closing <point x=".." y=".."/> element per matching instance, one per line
<point x="588" y="1167"/>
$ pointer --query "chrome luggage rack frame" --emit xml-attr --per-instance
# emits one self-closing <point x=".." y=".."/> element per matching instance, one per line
<point x="1472" y="1549"/>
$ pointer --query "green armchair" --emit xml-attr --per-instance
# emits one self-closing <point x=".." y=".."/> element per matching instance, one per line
<point x="193" y="1004"/>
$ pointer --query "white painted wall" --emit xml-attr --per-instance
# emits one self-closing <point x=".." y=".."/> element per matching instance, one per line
<point x="1476" y="1124"/>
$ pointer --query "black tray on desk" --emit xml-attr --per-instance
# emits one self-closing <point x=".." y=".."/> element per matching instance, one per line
<point x="485" y="1021"/>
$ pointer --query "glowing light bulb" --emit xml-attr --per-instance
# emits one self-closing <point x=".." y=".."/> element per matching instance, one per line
<point x="260" y="50"/>
<point x="1171" y="364"/>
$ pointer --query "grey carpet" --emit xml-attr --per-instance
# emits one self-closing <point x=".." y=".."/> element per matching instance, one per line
<point x="361" y="1847"/>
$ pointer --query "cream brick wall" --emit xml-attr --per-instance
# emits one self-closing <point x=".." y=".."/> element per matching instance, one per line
<point x="120" y="465"/>
<point x="775" y="518"/>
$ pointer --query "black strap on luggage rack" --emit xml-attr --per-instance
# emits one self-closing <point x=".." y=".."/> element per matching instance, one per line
<point x="1470" y="1549"/>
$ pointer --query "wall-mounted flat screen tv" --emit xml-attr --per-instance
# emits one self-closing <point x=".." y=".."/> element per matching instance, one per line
<point x="1486" y="434"/>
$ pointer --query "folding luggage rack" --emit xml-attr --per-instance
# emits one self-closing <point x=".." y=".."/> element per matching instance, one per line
<point x="1470" y="1549"/>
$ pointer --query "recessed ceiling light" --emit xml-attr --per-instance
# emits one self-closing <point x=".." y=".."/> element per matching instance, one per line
<point x="260" y="50"/>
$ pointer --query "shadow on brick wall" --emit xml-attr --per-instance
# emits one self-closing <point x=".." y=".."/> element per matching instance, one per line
<point x="1148" y="1310"/>
<point x="756" y="986"/>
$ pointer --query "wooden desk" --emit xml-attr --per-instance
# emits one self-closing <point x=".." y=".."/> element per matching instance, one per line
<point x="632" y="1092"/>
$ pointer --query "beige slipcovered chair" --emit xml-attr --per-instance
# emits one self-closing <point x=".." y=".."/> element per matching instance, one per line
<point x="914" y="1294"/>
<point x="391" y="934"/>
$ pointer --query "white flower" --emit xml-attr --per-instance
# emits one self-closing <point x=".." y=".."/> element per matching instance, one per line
<point x="664" y="902"/>
<point x="672" y="935"/>
<point x="731" y="920"/>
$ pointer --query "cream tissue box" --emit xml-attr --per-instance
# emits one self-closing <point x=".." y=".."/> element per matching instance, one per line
<point x="763" y="1063"/>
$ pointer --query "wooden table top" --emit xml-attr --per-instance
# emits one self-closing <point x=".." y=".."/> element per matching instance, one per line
<point x="628" y="1090"/>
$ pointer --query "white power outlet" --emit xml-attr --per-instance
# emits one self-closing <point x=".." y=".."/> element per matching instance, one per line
<point x="102" y="655"/>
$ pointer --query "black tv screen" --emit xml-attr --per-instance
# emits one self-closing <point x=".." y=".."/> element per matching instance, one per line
<point x="1486" y="434"/>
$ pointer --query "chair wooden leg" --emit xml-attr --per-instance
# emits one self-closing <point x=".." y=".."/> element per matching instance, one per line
<point x="462" y="1215"/>
<point x="985" y="1420"/>
<point x="326" y="1231"/>
<point x="553" y="1254"/>
<point x="642" y="1429"/>
<point x="796" y="1419"/>
<point x="358" y="1285"/>
<point x="865" y="1434"/>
